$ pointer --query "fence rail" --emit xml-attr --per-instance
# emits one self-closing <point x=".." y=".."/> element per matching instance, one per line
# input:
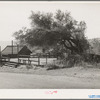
<point x="26" y="59"/>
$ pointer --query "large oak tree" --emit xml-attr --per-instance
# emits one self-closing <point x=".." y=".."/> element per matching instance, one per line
<point x="61" y="29"/>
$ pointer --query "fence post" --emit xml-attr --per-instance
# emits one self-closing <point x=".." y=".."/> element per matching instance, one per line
<point x="24" y="62"/>
<point x="38" y="60"/>
<point x="46" y="58"/>
<point x="0" y="52"/>
<point x="0" y="57"/>
<point x="18" y="53"/>
<point x="28" y="60"/>
<point x="54" y="62"/>
<point x="8" y="59"/>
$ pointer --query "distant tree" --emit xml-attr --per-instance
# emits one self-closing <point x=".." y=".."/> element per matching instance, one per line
<point x="20" y="36"/>
<point x="60" y="28"/>
<point x="95" y="45"/>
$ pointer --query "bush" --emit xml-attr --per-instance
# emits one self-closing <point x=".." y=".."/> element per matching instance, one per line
<point x="29" y="67"/>
<point x="71" y="61"/>
<point x="51" y="66"/>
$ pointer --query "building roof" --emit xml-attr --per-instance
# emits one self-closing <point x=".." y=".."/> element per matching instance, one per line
<point x="8" y="49"/>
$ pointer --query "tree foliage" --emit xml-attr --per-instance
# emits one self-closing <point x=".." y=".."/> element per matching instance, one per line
<point x="21" y="35"/>
<point x="95" y="45"/>
<point x="50" y="29"/>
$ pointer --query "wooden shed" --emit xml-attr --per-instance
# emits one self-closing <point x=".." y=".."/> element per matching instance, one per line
<point x="13" y="51"/>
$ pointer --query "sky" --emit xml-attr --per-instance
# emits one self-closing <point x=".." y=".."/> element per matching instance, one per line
<point x="15" y="15"/>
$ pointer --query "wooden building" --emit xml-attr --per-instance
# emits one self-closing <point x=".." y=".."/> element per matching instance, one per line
<point x="14" y="51"/>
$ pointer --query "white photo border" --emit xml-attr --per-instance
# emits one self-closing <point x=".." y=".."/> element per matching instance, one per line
<point x="49" y="93"/>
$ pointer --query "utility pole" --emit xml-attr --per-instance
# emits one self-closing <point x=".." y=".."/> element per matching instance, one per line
<point x="0" y="52"/>
<point x="18" y="53"/>
<point x="12" y="47"/>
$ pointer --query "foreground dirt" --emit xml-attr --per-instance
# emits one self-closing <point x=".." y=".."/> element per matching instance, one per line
<point x="40" y="78"/>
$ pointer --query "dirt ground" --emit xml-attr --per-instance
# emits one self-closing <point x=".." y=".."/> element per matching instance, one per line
<point x="68" y="78"/>
<point x="77" y="71"/>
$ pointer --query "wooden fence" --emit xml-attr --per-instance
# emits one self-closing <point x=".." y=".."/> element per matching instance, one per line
<point x="25" y="60"/>
<point x="29" y="60"/>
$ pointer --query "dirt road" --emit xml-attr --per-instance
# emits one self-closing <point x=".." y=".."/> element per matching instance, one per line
<point x="29" y="81"/>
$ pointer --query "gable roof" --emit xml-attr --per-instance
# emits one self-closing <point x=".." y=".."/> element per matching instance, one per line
<point x="8" y="50"/>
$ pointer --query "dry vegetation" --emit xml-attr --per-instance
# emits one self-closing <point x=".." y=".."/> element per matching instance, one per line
<point x="77" y="71"/>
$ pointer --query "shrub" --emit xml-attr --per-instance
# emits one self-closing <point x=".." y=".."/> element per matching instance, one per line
<point x="29" y="67"/>
<point x="71" y="61"/>
<point x="68" y="62"/>
<point x="51" y="66"/>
